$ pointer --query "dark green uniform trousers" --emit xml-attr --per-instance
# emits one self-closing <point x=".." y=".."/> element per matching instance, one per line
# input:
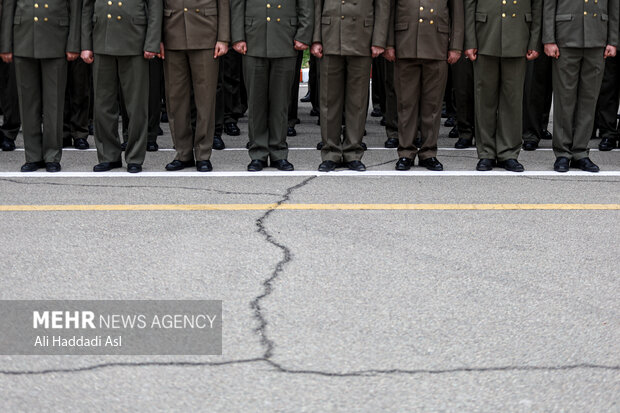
<point x="537" y="96"/>
<point x="230" y="90"/>
<point x="384" y="70"/>
<point x="41" y="89"/>
<point x="463" y="84"/>
<point x="77" y="100"/>
<point x="498" y="88"/>
<point x="293" y="104"/>
<point x="607" y="106"/>
<point x="344" y="85"/>
<point x="420" y="84"/>
<point x="187" y="70"/>
<point x="268" y="82"/>
<point x="132" y="74"/>
<point x="577" y="77"/>
<point x="9" y="102"/>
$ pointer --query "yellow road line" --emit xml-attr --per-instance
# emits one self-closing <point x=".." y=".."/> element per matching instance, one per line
<point x="312" y="207"/>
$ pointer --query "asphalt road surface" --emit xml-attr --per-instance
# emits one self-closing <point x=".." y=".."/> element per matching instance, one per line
<point x="454" y="291"/>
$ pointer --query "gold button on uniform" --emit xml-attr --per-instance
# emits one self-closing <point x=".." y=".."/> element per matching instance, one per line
<point x="503" y="1"/>
<point x="185" y="9"/>
<point x="36" y="5"/>
<point x="594" y="15"/>
<point x="36" y="19"/>
<point x="278" y="19"/>
<point x="421" y="8"/>
<point x="118" y="18"/>
<point x="503" y="15"/>
<point x="120" y="4"/>
<point x="45" y="19"/>
<point x="341" y="17"/>
<point x="46" y="6"/>
<point x="432" y="22"/>
<point x="514" y="15"/>
<point x="432" y="10"/>
<point x="268" y="5"/>
<point x="421" y="20"/>
<point x="197" y="10"/>
<point x="109" y="3"/>
<point x="280" y="6"/>
<point x="268" y="19"/>
<point x="585" y="13"/>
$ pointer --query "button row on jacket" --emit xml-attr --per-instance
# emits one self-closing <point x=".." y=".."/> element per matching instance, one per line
<point x="36" y="5"/>
<point x="120" y="3"/>
<point x="279" y="5"/>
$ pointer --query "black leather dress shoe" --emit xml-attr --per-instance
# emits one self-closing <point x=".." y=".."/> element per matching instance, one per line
<point x="391" y="143"/>
<point x="356" y="166"/>
<point x="256" y="165"/>
<point x="204" y="166"/>
<point x="364" y="146"/>
<point x="511" y="165"/>
<point x="124" y="146"/>
<point x="327" y="166"/>
<point x="218" y="143"/>
<point x="450" y="122"/>
<point x="160" y="131"/>
<point x="607" y="144"/>
<point x="463" y="143"/>
<point x="585" y="164"/>
<point x="561" y="164"/>
<point x="454" y="133"/>
<point x="376" y="113"/>
<point x="80" y="143"/>
<point x="382" y="121"/>
<point x="52" y="167"/>
<point x="530" y="145"/>
<point x="177" y="165"/>
<point x="314" y="112"/>
<point x="404" y="164"/>
<point x="247" y="145"/>
<point x="545" y="134"/>
<point x="32" y="166"/>
<point x="106" y="166"/>
<point x="164" y="117"/>
<point x="319" y="146"/>
<point x="67" y="142"/>
<point x="134" y="168"/>
<point x="306" y="98"/>
<point x="485" y="165"/>
<point x="7" y="144"/>
<point x="282" y="165"/>
<point x="232" y="129"/>
<point x="152" y="146"/>
<point x="432" y="164"/>
<point x="291" y="132"/>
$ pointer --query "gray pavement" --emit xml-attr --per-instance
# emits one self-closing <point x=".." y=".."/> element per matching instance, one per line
<point x="492" y="310"/>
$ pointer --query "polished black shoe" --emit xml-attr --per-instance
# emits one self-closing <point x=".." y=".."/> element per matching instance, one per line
<point x="291" y="132"/>
<point x="364" y="146"/>
<point x="382" y="122"/>
<point x="464" y="143"/>
<point x="282" y="165"/>
<point x="607" y="144"/>
<point x="454" y="133"/>
<point x="404" y="164"/>
<point x="204" y="166"/>
<point x="256" y="165"/>
<point x="585" y="164"/>
<point x="417" y="142"/>
<point x="124" y="146"/>
<point x="319" y="146"/>
<point x="327" y="166"/>
<point x="545" y="134"/>
<point x="134" y="168"/>
<point x="450" y="122"/>
<point x="530" y="145"/>
<point x="106" y="166"/>
<point x="32" y="166"/>
<point x="7" y="144"/>
<point x="247" y="145"/>
<point x="391" y="143"/>
<point x="356" y="166"/>
<point x="232" y="129"/>
<point x="432" y="164"/>
<point x="81" y="144"/>
<point x="306" y="98"/>
<point x="67" y="142"/>
<point x="152" y="146"/>
<point x="561" y="164"/>
<point x="164" y="117"/>
<point x="52" y="167"/>
<point x="376" y="113"/>
<point x="218" y="143"/>
<point x="314" y="112"/>
<point x="511" y="165"/>
<point x="160" y="131"/>
<point x="177" y="165"/>
<point x="91" y="129"/>
<point x="485" y="165"/>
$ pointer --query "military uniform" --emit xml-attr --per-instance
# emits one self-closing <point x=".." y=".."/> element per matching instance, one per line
<point x="537" y="97"/>
<point x="581" y="30"/>
<point x="423" y="33"/>
<point x="607" y="105"/>
<point x="119" y="32"/>
<point x="463" y="81"/>
<point x="190" y="31"/>
<point x="502" y="32"/>
<point x="9" y="102"/>
<point x="347" y="30"/>
<point x="39" y="35"/>
<point x="269" y="30"/>
<point x="77" y="104"/>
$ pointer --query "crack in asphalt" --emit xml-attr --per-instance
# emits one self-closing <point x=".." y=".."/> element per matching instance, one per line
<point x="269" y="345"/>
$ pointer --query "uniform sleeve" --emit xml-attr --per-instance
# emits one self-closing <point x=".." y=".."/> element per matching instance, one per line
<point x="382" y="20"/>
<point x="390" y="37"/>
<point x="6" y="32"/>
<point x="457" y="31"/>
<point x="471" y="41"/>
<point x="237" y="21"/>
<point x="305" y="21"/>
<point x="223" y="21"/>
<point x="613" y="9"/>
<point x="536" y="26"/>
<point x="75" y="22"/>
<point x="86" y="39"/>
<point x="548" y="21"/>
<point x="153" y="30"/>
<point x="318" y="13"/>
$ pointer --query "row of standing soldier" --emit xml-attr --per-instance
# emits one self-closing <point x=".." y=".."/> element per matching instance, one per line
<point x="422" y="36"/>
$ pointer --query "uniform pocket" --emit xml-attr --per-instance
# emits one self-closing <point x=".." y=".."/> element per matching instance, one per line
<point x="481" y="17"/>
<point x="211" y="11"/>
<point x="368" y="22"/>
<point x="294" y="21"/>
<point x="401" y="26"/>
<point x="17" y="20"/>
<point x="528" y="17"/>
<point x="167" y="12"/>
<point x="442" y="28"/>
<point x="563" y="17"/>
<point x="326" y="20"/>
<point x="139" y="21"/>
<point x="604" y="17"/>
<point x="63" y="22"/>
